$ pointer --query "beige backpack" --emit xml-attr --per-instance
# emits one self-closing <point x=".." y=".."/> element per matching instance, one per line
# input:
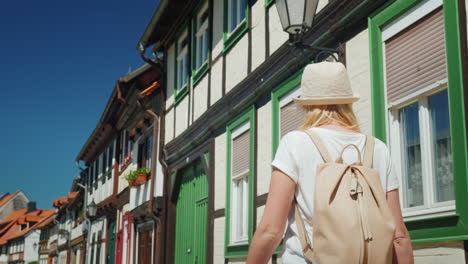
<point x="352" y="222"/>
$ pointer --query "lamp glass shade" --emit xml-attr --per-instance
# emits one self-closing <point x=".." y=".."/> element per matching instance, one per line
<point x="296" y="15"/>
<point x="92" y="208"/>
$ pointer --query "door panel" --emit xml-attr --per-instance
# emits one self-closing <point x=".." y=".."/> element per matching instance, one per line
<point x="111" y="244"/>
<point x="192" y="216"/>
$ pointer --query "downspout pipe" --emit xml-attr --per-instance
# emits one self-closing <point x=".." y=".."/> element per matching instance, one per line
<point x="149" y="210"/>
<point x="158" y="66"/>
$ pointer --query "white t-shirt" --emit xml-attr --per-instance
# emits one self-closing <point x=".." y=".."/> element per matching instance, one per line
<point x="298" y="157"/>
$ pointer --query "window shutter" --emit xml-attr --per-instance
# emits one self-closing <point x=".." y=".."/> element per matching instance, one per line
<point x="240" y="153"/>
<point x="415" y="58"/>
<point x="291" y="118"/>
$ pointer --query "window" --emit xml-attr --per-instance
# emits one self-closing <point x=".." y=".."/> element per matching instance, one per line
<point x="240" y="184"/>
<point x="424" y="159"/>
<point x="417" y="120"/>
<point x="291" y="116"/>
<point x="239" y="194"/>
<point x="149" y="149"/>
<point x="201" y="37"/>
<point x="236" y="13"/>
<point x="200" y="42"/>
<point x="235" y="21"/>
<point x="286" y="115"/>
<point x="126" y="146"/>
<point x="110" y="158"/>
<point x="182" y="67"/>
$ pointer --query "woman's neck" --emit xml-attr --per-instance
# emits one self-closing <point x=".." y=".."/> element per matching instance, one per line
<point x="335" y="126"/>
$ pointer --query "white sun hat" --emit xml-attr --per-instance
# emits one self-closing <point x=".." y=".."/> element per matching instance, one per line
<point x="325" y="83"/>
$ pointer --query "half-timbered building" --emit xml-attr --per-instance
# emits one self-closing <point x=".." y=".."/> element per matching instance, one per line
<point x="229" y="79"/>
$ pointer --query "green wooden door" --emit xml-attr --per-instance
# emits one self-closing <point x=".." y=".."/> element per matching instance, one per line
<point x="192" y="217"/>
<point x="111" y="243"/>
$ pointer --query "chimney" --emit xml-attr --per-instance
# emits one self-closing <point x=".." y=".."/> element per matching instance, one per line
<point x="31" y="206"/>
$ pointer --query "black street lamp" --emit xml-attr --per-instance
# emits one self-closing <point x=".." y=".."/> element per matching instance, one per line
<point x="297" y="17"/>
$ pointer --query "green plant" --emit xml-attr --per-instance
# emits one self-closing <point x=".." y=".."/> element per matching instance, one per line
<point x="142" y="171"/>
<point x="131" y="176"/>
<point x="33" y="262"/>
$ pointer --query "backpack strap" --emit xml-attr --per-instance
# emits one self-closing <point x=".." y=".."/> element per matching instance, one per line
<point x="319" y="144"/>
<point x="303" y="238"/>
<point x="369" y="151"/>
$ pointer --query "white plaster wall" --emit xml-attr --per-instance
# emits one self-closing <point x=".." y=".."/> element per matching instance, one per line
<point x="220" y="172"/>
<point x="218" y="240"/>
<point x="31" y="254"/>
<point x="236" y="63"/>
<point x="159" y="181"/>
<point x="264" y="139"/>
<point x="217" y="41"/>
<point x="122" y="182"/>
<point x="258" y="33"/>
<point x="277" y="35"/>
<point x="170" y="76"/>
<point x="200" y="95"/>
<point x="216" y="81"/>
<point x="358" y="66"/>
<point x="3" y="259"/>
<point x="62" y="257"/>
<point x="169" y="126"/>
<point x="182" y="115"/>
<point x="77" y="231"/>
<point x="449" y="252"/>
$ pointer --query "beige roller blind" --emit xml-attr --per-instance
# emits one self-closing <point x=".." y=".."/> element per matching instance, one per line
<point x="240" y="153"/>
<point x="291" y="118"/>
<point x="415" y="58"/>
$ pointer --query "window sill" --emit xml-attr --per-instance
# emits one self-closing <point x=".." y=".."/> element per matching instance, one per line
<point x="232" y="38"/>
<point x="180" y="94"/>
<point x="422" y="214"/>
<point x="200" y="73"/>
<point x="237" y="251"/>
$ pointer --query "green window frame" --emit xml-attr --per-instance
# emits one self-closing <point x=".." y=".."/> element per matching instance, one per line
<point x="283" y="89"/>
<point x="268" y="3"/>
<point x="181" y="92"/>
<point x="442" y="228"/>
<point x="199" y="71"/>
<point x="241" y="250"/>
<point x="231" y="38"/>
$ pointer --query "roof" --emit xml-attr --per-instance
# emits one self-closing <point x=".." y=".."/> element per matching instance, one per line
<point x="103" y="129"/>
<point x="7" y="197"/>
<point x="64" y="200"/>
<point x="148" y="37"/>
<point x="22" y="217"/>
<point x="14" y="215"/>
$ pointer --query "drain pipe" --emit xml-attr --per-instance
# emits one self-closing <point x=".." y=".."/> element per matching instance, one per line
<point x="149" y="210"/>
<point x="158" y="65"/>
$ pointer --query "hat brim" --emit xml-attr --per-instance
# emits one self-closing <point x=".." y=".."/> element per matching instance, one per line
<point x="326" y="101"/>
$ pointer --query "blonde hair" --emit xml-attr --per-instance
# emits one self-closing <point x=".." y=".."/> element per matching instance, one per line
<point x="318" y="115"/>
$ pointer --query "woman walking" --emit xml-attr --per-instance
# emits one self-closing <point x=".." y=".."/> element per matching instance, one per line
<point x="305" y="160"/>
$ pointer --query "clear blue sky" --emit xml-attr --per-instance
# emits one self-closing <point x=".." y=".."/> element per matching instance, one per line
<point x="59" y="61"/>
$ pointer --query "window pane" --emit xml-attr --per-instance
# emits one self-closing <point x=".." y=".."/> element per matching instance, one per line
<point x="233" y="14"/>
<point x="443" y="162"/>
<point x="242" y="6"/>
<point x="413" y="189"/>
<point x="149" y="154"/>
<point x="239" y="211"/>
